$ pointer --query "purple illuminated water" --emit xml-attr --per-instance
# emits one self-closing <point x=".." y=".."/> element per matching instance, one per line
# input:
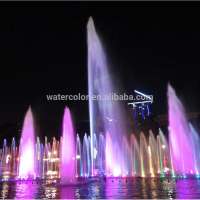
<point x="109" y="151"/>
<point x="105" y="115"/>
<point x="182" y="138"/>
<point x="68" y="150"/>
<point x="27" y="148"/>
<point x="111" y="188"/>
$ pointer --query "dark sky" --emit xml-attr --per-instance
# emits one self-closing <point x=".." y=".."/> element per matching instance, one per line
<point x="43" y="51"/>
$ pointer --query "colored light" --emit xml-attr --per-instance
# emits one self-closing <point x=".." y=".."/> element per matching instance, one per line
<point x="27" y="145"/>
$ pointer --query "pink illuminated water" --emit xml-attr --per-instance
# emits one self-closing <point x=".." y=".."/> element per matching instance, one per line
<point x="109" y="150"/>
<point x="67" y="151"/>
<point x="180" y="136"/>
<point x="27" y="148"/>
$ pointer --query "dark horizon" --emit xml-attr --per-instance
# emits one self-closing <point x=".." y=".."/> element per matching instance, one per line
<point x="44" y="51"/>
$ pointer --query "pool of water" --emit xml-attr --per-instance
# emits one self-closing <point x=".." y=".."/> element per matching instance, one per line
<point x="115" y="188"/>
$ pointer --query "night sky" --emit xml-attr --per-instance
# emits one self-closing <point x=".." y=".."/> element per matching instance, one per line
<point x="43" y="51"/>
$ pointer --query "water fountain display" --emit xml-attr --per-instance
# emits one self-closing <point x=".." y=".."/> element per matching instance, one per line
<point x="183" y="139"/>
<point x="144" y="155"/>
<point x="67" y="149"/>
<point x="109" y="150"/>
<point x="106" y="113"/>
<point x="27" y="161"/>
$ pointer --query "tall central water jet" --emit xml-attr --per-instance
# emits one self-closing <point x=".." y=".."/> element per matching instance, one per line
<point x="105" y="115"/>
<point x="180" y="136"/>
<point x="67" y="151"/>
<point x="27" y="149"/>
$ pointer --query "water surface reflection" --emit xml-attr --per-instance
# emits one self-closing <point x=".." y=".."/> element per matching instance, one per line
<point x="115" y="188"/>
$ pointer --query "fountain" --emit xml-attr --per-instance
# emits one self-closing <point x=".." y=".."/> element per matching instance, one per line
<point x="107" y="113"/>
<point x="182" y="138"/>
<point x="27" y="165"/>
<point x="69" y="159"/>
<point x="109" y="150"/>
<point x="67" y="150"/>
